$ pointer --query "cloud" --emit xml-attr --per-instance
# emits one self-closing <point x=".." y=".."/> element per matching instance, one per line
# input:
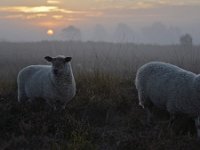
<point x="49" y="16"/>
<point x="58" y="12"/>
<point x="25" y="12"/>
<point x="37" y="9"/>
<point x="22" y="2"/>
<point x="53" y="2"/>
<point x="142" y="4"/>
<point x="11" y="17"/>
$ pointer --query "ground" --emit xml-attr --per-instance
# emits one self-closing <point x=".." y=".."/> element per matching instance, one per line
<point x="104" y="115"/>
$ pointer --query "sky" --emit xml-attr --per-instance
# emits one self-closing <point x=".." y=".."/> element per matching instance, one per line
<point x="22" y="20"/>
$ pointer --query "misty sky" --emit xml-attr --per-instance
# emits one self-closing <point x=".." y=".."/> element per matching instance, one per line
<point x="26" y="20"/>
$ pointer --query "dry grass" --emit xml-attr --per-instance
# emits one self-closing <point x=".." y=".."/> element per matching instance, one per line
<point x="104" y="115"/>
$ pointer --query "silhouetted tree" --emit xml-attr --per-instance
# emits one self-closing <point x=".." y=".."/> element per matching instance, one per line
<point x="72" y="33"/>
<point x="161" y="34"/>
<point x="186" y="40"/>
<point x="123" y="34"/>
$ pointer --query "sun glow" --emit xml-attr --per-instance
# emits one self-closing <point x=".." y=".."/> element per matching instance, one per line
<point x="53" y="2"/>
<point x="50" y="32"/>
<point x="26" y="9"/>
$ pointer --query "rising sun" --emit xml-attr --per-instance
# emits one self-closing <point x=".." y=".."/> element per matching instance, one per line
<point x="50" y="32"/>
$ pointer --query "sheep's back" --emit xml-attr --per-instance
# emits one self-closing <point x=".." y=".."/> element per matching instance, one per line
<point x="31" y="71"/>
<point x="34" y="78"/>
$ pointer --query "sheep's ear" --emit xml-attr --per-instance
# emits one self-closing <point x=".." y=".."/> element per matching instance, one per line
<point x="67" y="59"/>
<point x="48" y="58"/>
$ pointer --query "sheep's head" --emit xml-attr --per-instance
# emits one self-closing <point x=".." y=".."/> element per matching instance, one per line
<point x="59" y="64"/>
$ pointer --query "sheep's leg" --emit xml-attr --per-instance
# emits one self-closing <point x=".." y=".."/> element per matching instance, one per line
<point x="149" y="117"/>
<point x="197" y="124"/>
<point x="140" y="100"/>
<point x="148" y="105"/>
<point x="22" y="94"/>
<point x="172" y="119"/>
<point x="22" y="98"/>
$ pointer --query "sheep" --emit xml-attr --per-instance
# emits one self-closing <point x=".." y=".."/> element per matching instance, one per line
<point x="54" y="83"/>
<point x="168" y="87"/>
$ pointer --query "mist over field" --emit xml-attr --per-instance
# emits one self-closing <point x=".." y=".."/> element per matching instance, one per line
<point x="153" y="33"/>
<point x="121" y="59"/>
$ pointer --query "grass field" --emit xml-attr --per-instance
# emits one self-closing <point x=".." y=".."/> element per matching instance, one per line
<point x="105" y="114"/>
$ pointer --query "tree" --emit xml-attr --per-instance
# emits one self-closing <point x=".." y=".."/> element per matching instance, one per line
<point x="72" y="33"/>
<point x="123" y="34"/>
<point x="159" y="33"/>
<point x="186" y="40"/>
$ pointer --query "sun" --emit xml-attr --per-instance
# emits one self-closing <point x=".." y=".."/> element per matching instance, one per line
<point x="50" y="32"/>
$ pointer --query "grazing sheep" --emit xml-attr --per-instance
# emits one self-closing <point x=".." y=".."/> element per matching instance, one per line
<point x="169" y="88"/>
<point x="55" y="83"/>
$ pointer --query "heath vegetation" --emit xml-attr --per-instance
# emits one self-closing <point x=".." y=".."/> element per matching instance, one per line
<point x="104" y="115"/>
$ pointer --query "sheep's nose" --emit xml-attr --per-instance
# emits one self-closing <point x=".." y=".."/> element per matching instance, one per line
<point x="55" y="71"/>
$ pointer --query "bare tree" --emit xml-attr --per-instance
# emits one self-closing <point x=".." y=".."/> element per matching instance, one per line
<point x="159" y="33"/>
<point x="186" y="40"/>
<point x="72" y="33"/>
<point x="123" y="34"/>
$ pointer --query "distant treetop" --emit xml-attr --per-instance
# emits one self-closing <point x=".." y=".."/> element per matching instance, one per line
<point x="72" y="33"/>
<point x="186" y="40"/>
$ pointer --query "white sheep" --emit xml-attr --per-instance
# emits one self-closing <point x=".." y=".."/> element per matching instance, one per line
<point x="55" y="83"/>
<point x="170" y="88"/>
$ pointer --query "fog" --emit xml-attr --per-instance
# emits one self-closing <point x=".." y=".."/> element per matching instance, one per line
<point x="155" y="33"/>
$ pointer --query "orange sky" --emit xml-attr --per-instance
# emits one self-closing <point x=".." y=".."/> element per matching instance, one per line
<point x="57" y="14"/>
